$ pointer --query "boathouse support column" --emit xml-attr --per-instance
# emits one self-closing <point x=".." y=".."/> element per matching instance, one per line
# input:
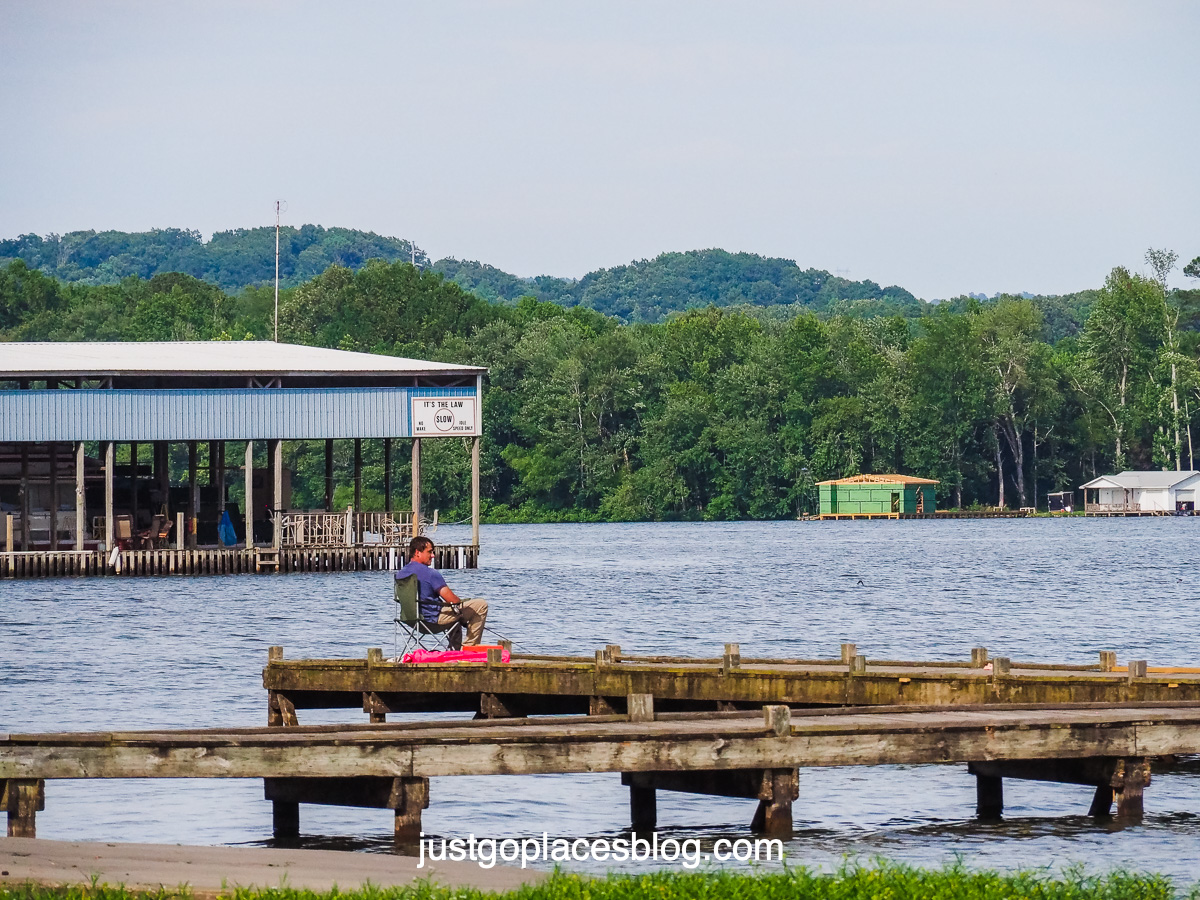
<point x="133" y="485"/>
<point x="387" y="475"/>
<point x="24" y="496"/>
<point x="162" y="475"/>
<point x="475" y="491"/>
<point x="220" y="478"/>
<point x="193" y="503"/>
<point x="277" y="492"/>
<point x="328" y="475"/>
<point x="80" y="496"/>
<point x="249" y="494"/>
<point x="358" y="475"/>
<point x="110" y="464"/>
<point x="53" y="461"/>
<point x="416" y="486"/>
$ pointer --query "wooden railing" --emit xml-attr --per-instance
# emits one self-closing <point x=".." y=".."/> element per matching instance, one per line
<point x="345" y="529"/>
<point x="1112" y="507"/>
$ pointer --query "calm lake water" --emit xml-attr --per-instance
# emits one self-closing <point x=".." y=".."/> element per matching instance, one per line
<point x="182" y="652"/>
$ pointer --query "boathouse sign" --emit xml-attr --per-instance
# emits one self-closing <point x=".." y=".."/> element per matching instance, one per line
<point x="433" y="416"/>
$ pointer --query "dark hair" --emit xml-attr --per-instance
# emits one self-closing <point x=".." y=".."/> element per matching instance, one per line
<point x="419" y="544"/>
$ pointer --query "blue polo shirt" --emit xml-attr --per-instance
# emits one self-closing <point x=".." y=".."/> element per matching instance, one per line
<point x="429" y="586"/>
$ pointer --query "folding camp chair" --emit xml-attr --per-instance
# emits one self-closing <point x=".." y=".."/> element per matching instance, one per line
<point x="416" y="629"/>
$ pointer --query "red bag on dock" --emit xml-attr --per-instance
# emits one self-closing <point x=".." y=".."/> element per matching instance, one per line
<point x="466" y="654"/>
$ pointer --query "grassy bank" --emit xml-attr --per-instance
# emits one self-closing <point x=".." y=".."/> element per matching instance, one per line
<point x="885" y="882"/>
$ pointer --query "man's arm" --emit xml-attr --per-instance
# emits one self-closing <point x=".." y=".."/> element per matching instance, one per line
<point x="448" y="595"/>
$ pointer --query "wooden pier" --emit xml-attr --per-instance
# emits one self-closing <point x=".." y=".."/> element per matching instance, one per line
<point x="753" y="754"/>
<point x="225" y="561"/>
<point x="541" y="685"/>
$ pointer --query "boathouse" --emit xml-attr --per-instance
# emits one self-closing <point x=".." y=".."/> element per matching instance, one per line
<point x="877" y="496"/>
<point x="1133" y="493"/>
<point x="67" y="506"/>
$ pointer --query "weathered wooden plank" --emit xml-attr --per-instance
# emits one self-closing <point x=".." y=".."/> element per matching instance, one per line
<point x="623" y="747"/>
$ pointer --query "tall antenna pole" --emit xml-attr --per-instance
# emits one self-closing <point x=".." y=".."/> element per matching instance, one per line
<point x="277" y="202"/>
<point x="412" y="249"/>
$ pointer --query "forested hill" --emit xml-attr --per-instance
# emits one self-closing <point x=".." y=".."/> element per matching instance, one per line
<point x="643" y="291"/>
<point x="232" y="260"/>
<point x="650" y="289"/>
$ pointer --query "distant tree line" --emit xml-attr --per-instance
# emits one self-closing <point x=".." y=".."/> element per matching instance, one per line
<point x="719" y="412"/>
<point x="643" y="291"/>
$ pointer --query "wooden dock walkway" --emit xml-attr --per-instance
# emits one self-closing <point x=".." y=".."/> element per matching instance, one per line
<point x="541" y="685"/>
<point x="224" y="561"/>
<point x="752" y="754"/>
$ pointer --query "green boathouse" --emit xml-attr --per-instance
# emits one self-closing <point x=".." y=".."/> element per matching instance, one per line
<point x="877" y="496"/>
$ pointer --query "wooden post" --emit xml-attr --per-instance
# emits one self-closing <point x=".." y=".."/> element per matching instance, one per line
<point x="133" y="485"/>
<point x="180" y="525"/>
<point x="277" y="492"/>
<point x="777" y="719"/>
<point x="641" y="707"/>
<point x="249" y="494"/>
<point x="193" y="502"/>
<point x="848" y="653"/>
<point x="387" y="475"/>
<point x="110" y="465"/>
<point x="1108" y="660"/>
<point x="989" y="797"/>
<point x="80" y="496"/>
<point x="24" y="496"/>
<point x="732" y="658"/>
<point x="329" y="475"/>
<point x="1129" y="782"/>
<point x="285" y="819"/>
<point x="1101" y="801"/>
<point x="475" y="491"/>
<point x="409" y="797"/>
<point x="979" y="657"/>
<point x="53" y="457"/>
<point x="416" y="485"/>
<point x="8" y="533"/>
<point x="1137" y="669"/>
<point x="774" y="816"/>
<point x="643" y="808"/>
<point x="21" y="798"/>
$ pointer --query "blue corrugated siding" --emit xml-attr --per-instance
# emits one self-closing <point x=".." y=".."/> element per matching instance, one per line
<point x="211" y="415"/>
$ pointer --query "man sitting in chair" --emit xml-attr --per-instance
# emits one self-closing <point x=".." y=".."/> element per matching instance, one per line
<point x="439" y="605"/>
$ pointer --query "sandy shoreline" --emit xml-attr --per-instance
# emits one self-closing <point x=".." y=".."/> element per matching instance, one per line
<point x="208" y="869"/>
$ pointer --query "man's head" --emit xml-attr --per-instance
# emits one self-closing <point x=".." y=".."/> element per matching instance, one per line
<point x="420" y="549"/>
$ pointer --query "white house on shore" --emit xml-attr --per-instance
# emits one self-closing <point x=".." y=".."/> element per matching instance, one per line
<point x="1141" y="493"/>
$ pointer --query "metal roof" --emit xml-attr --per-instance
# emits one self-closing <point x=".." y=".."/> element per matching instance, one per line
<point x="102" y="359"/>
<point x="1130" y="480"/>
<point x="880" y="479"/>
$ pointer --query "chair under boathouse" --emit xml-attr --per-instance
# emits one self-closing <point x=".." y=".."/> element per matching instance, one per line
<point x="68" y="507"/>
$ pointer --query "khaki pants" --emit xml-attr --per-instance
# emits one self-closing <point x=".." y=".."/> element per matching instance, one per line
<point x="473" y="614"/>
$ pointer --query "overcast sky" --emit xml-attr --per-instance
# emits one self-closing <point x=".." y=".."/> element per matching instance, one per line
<point x="945" y="147"/>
